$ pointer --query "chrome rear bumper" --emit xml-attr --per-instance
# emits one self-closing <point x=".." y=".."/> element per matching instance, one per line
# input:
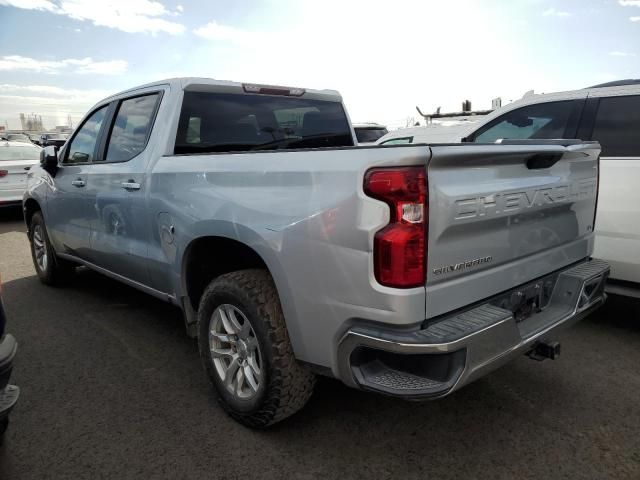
<point x="446" y="354"/>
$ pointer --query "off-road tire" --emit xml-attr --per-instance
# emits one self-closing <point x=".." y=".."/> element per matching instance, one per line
<point x="58" y="271"/>
<point x="287" y="385"/>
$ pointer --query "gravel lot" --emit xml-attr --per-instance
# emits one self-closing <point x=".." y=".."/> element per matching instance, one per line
<point x="112" y="388"/>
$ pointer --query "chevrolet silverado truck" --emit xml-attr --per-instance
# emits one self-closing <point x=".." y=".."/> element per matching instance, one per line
<point x="408" y="270"/>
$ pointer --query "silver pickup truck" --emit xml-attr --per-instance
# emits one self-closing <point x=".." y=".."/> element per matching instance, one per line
<point x="409" y="270"/>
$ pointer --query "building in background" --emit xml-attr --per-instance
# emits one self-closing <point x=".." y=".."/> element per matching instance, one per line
<point x="31" y="122"/>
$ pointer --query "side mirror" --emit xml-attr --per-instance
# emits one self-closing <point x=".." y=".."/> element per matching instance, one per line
<point x="49" y="160"/>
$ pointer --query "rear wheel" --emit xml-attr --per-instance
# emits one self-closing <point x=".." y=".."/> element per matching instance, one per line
<point x="50" y="269"/>
<point x="246" y="351"/>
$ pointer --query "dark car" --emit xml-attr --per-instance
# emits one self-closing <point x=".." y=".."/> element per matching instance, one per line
<point x="8" y="393"/>
<point x="53" y="139"/>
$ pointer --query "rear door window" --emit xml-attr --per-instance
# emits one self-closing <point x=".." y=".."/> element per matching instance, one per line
<point x="617" y="126"/>
<point x="221" y="122"/>
<point x="131" y="127"/>
<point x="539" y="121"/>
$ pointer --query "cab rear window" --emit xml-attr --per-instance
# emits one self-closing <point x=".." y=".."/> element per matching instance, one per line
<point x="220" y="122"/>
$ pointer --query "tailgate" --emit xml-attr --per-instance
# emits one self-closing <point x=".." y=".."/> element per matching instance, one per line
<point x="503" y="215"/>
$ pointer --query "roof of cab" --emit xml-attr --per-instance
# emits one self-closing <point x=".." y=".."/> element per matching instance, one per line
<point x="187" y="83"/>
<point x="618" y="83"/>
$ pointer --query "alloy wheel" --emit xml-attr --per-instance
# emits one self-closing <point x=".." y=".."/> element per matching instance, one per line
<point x="40" y="248"/>
<point x="235" y="351"/>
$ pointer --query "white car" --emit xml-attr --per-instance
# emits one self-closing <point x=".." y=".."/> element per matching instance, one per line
<point x="608" y="113"/>
<point x="16" y="158"/>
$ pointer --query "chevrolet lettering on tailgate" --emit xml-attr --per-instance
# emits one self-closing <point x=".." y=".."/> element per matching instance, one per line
<point x="510" y="202"/>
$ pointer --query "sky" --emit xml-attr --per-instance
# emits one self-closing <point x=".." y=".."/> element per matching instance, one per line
<point x="59" y="57"/>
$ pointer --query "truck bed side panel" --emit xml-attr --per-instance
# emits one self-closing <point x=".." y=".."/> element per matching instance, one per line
<point x="306" y="214"/>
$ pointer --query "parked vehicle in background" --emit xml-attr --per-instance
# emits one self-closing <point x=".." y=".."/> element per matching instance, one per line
<point x="53" y="139"/>
<point x="608" y="113"/>
<point x="8" y="393"/>
<point x="17" y="137"/>
<point x="292" y="254"/>
<point x="369" y="133"/>
<point x="16" y="158"/>
<point x="432" y="133"/>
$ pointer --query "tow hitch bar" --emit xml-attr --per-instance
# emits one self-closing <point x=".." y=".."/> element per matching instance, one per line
<point x="543" y="350"/>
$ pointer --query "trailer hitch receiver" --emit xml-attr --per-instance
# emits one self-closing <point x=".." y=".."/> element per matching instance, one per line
<point x="543" y="350"/>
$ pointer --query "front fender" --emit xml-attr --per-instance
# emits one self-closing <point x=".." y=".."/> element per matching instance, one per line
<point x="35" y="196"/>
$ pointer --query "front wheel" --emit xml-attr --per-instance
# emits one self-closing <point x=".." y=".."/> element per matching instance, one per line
<point x="246" y="352"/>
<point x="50" y="269"/>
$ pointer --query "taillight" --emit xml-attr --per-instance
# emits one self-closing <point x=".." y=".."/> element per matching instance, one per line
<point x="4" y="173"/>
<point x="399" y="249"/>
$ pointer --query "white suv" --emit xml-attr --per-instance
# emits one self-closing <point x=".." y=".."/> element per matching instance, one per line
<point x="609" y="113"/>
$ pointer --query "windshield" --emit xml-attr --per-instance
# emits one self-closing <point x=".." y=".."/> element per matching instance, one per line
<point x="219" y="122"/>
<point x="19" y="153"/>
<point x="365" y="135"/>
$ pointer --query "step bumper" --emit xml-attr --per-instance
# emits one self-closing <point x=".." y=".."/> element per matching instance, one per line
<point x="447" y="353"/>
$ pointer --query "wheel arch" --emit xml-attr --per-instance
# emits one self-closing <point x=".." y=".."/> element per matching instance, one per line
<point x="29" y="208"/>
<point x="206" y="258"/>
<point x="234" y="254"/>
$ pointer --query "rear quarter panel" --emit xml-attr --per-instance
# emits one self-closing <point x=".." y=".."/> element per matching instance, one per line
<point x="306" y="215"/>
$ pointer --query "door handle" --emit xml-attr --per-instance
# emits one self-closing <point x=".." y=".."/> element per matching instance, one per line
<point x="130" y="185"/>
<point x="78" y="183"/>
